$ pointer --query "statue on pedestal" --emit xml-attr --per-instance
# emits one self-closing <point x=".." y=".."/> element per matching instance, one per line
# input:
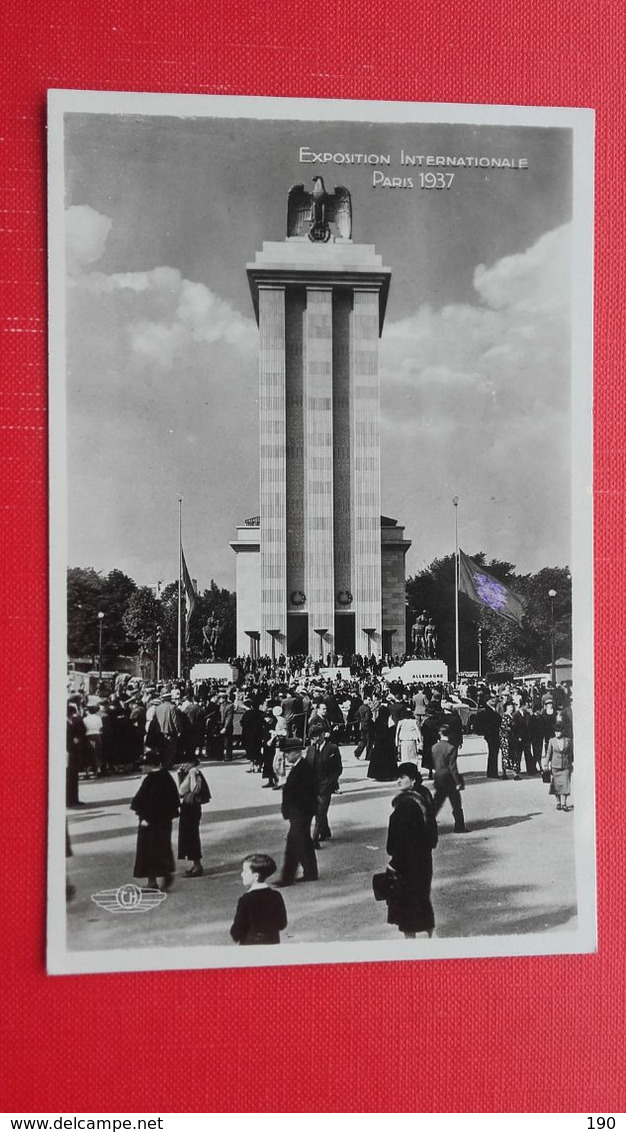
<point x="430" y="639"/>
<point x="424" y="637"/>
<point x="211" y="633"/>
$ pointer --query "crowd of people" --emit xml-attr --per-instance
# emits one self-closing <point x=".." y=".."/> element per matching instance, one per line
<point x="291" y="722"/>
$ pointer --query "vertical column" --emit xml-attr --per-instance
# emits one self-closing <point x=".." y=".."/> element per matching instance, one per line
<point x="294" y="322"/>
<point x="318" y="467"/>
<point x="365" y="478"/>
<point x="273" y="465"/>
<point x="342" y="313"/>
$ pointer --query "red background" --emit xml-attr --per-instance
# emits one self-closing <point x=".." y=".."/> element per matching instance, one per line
<point x="516" y="1035"/>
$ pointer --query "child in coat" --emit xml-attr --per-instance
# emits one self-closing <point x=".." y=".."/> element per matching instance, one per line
<point x="261" y="913"/>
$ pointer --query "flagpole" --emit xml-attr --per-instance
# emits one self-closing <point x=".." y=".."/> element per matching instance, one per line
<point x="455" y="501"/>
<point x="180" y="586"/>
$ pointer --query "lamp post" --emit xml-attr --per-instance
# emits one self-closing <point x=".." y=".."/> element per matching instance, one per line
<point x="480" y="651"/>
<point x="457" y="649"/>
<point x="100" y="620"/>
<point x="552" y="595"/>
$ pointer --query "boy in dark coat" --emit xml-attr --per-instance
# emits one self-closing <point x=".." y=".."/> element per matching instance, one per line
<point x="261" y="914"/>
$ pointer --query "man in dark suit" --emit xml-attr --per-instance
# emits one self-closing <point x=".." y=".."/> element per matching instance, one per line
<point x="365" y="723"/>
<point x="520" y="732"/>
<point x="299" y="808"/>
<point x="293" y="712"/>
<point x="325" y="758"/>
<point x="227" y="716"/>
<point x="452" y="720"/>
<point x="487" y="723"/>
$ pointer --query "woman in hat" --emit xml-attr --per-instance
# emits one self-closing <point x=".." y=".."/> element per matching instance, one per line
<point x="156" y="806"/>
<point x="193" y="790"/>
<point x="559" y="759"/>
<point x="509" y="746"/>
<point x="383" y="764"/>
<point x="408" y="737"/>
<point x="93" y="735"/>
<point x="411" y="838"/>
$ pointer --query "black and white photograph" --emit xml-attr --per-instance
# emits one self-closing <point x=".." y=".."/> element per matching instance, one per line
<point x="321" y="617"/>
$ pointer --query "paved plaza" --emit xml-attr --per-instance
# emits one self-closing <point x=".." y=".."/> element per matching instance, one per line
<point x="512" y="873"/>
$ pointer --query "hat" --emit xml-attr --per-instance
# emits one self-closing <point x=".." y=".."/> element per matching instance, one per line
<point x="166" y="693"/>
<point x="316" y="727"/>
<point x="410" y="770"/>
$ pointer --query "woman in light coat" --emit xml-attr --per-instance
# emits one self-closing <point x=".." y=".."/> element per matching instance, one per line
<point x="408" y="739"/>
<point x="559" y="759"/>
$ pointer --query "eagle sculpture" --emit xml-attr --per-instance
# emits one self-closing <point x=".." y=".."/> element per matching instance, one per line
<point x="311" y="213"/>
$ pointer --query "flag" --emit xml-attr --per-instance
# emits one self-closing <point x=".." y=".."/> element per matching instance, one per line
<point x="190" y="593"/>
<point x="486" y="590"/>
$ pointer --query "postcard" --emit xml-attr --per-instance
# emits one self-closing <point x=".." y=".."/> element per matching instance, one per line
<point x="320" y="532"/>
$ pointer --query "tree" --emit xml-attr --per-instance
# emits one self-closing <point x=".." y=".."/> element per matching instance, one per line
<point x="141" y="619"/>
<point x="506" y="646"/>
<point x="84" y="602"/>
<point x="169" y="629"/>
<point x="132" y="615"/>
<point x="221" y="604"/>
<point x="89" y="594"/>
<point x="528" y="649"/>
<point x="217" y="601"/>
<point x="117" y="589"/>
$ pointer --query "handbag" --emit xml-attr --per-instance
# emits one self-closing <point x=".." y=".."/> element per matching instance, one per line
<point x="200" y="792"/>
<point x="546" y="776"/>
<point x="387" y="885"/>
<point x="205" y="793"/>
<point x="380" y="885"/>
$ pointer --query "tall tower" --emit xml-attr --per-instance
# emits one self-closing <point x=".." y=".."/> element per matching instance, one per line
<point x="319" y="301"/>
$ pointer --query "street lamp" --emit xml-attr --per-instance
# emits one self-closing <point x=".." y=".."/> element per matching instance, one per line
<point x="552" y="595"/>
<point x="480" y="651"/>
<point x="100" y="620"/>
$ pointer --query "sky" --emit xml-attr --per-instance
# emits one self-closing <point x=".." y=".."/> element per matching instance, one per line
<point x="162" y="216"/>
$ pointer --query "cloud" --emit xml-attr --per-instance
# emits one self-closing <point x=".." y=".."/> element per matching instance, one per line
<point x="535" y="280"/>
<point x="86" y="234"/>
<point x="161" y="314"/>
<point x="475" y="400"/>
<point x="162" y="391"/>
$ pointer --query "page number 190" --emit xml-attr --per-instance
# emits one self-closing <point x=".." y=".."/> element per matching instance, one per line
<point x="600" y="1122"/>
